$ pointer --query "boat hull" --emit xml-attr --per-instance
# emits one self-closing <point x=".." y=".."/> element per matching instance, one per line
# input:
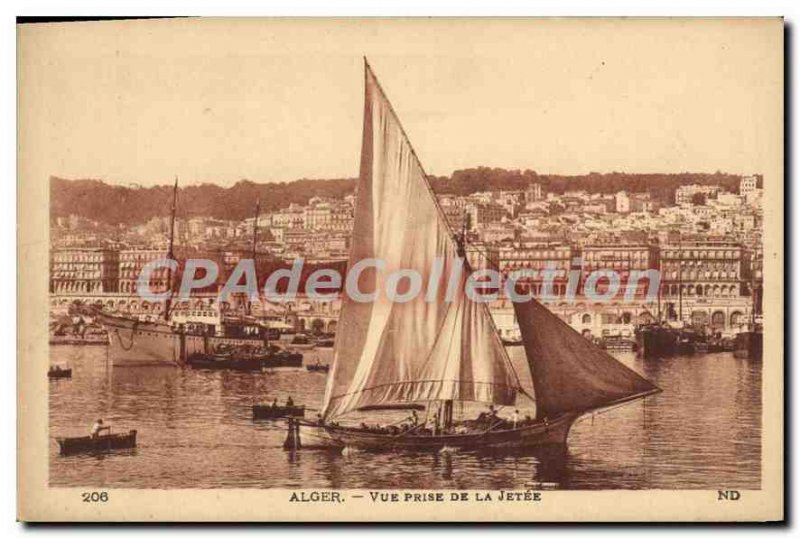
<point x="77" y="341"/>
<point x="103" y="443"/>
<point x="654" y="342"/>
<point x="225" y="363"/>
<point x="553" y="432"/>
<point x="137" y="343"/>
<point x="60" y="374"/>
<point x="268" y="412"/>
<point x="134" y="343"/>
<point x="749" y="345"/>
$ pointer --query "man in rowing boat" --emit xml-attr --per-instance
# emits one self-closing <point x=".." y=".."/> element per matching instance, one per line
<point x="98" y="427"/>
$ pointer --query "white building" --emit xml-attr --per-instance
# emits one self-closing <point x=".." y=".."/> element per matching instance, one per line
<point x="623" y="202"/>
<point x="534" y="193"/>
<point x="748" y="185"/>
<point x="684" y="194"/>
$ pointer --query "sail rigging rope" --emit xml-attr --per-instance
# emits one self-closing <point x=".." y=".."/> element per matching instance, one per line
<point x="129" y="346"/>
<point x="605" y="410"/>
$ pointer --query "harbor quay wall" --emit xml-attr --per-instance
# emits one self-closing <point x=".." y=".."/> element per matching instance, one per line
<point x="724" y="314"/>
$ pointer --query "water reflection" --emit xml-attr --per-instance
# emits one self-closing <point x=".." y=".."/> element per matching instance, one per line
<point x="195" y="430"/>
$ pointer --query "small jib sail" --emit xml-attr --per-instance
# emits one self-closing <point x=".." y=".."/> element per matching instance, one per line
<point x="570" y="374"/>
<point x="427" y="348"/>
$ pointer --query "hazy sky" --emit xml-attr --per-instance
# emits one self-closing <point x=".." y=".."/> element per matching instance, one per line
<point x="220" y="101"/>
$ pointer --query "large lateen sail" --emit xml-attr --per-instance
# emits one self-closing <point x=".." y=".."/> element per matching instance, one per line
<point x="426" y="348"/>
<point x="569" y="372"/>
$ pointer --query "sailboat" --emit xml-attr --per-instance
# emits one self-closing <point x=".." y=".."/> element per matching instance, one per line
<point x="436" y="353"/>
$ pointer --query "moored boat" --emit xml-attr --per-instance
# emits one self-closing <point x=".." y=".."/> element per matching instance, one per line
<point x="100" y="443"/>
<point x="221" y="362"/>
<point x="271" y="412"/>
<point x="658" y="340"/>
<point x="283" y="359"/>
<point x="749" y="344"/>
<point x="511" y="341"/>
<point x="301" y="342"/>
<point x="618" y="343"/>
<point x="59" y="371"/>
<point x="324" y="341"/>
<point x="271" y="358"/>
<point x="317" y="367"/>
<point x="67" y="340"/>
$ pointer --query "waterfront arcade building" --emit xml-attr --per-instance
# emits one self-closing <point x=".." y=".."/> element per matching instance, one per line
<point x="702" y="272"/>
<point x="624" y="260"/>
<point x="537" y="257"/>
<point x="708" y="279"/>
<point x="131" y="263"/>
<point x="84" y="271"/>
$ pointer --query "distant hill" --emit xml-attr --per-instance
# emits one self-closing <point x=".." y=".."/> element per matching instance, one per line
<point x="113" y="204"/>
<point x="110" y="204"/>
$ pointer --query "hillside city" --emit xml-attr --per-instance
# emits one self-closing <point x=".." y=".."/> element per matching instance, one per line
<point x="706" y="245"/>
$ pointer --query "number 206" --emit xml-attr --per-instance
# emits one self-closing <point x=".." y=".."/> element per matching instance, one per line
<point x="95" y="496"/>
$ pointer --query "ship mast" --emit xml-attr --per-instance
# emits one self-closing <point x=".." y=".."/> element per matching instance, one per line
<point x="255" y="244"/>
<point x="446" y="411"/>
<point x="658" y="304"/>
<point x="680" y="279"/>
<point x="754" y="301"/>
<point x="170" y="252"/>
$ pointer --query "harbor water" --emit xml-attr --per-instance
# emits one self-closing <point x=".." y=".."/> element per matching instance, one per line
<point x="195" y="430"/>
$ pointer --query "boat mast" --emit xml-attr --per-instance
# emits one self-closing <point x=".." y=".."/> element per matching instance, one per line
<point x="753" y="291"/>
<point x="448" y="230"/>
<point x="680" y="278"/>
<point x="255" y="244"/>
<point x="446" y="411"/>
<point x="170" y="252"/>
<point x="658" y="299"/>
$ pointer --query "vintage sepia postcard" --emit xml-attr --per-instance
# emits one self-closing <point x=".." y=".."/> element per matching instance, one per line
<point x="419" y="270"/>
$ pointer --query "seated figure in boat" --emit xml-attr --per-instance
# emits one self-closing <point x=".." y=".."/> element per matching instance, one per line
<point x="289" y="402"/>
<point x="98" y="427"/>
<point x="528" y="420"/>
<point x="488" y="417"/>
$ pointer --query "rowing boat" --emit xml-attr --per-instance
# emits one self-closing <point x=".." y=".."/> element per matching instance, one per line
<point x="270" y="412"/>
<point x="59" y="372"/>
<point x="101" y="443"/>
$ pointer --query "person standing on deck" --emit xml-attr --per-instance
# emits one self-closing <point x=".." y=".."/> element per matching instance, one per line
<point x="414" y="418"/>
<point x="98" y="427"/>
<point x="433" y="425"/>
<point x="515" y="418"/>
